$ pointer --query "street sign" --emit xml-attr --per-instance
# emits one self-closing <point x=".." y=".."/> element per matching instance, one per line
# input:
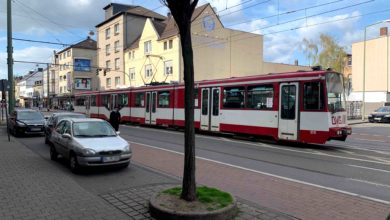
<point x="3" y="84"/>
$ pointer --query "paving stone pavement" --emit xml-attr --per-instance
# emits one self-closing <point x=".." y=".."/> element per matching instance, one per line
<point x="31" y="188"/>
<point x="134" y="202"/>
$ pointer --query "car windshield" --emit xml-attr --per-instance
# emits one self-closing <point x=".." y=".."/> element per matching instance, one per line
<point x="335" y="90"/>
<point x="93" y="129"/>
<point x="27" y="115"/>
<point x="384" y="109"/>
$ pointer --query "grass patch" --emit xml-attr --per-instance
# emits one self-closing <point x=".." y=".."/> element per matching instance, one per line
<point x="207" y="195"/>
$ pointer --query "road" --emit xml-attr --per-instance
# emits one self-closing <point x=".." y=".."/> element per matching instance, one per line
<point x="359" y="167"/>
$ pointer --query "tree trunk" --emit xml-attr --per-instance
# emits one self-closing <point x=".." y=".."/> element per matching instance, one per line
<point x="189" y="183"/>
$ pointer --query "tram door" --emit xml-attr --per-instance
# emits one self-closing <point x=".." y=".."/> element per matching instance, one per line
<point x="150" y="108"/>
<point x="288" y="111"/>
<point x="114" y="101"/>
<point x="209" y="116"/>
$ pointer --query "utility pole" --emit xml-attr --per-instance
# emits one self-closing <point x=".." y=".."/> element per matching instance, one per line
<point x="48" y="88"/>
<point x="10" y="60"/>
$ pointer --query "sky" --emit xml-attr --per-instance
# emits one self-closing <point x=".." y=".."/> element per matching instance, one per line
<point x="284" y="24"/>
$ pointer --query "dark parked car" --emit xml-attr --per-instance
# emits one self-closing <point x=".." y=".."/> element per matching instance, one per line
<point x="26" y="121"/>
<point x="55" y="118"/>
<point x="382" y="114"/>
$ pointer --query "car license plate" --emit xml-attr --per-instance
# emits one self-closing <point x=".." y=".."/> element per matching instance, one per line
<point x="35" y="129"/>
<point x="110" y="159"/>
<point x="378" y="119"/>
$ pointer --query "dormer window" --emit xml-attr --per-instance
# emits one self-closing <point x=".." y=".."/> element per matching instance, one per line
<point x="148" y="47"/>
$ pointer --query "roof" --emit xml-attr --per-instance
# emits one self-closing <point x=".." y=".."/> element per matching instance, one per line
<point x="84" y="119"/>
<point x="88" y="43"/>
<point x="168" y="28"/>
<point x="137" y="11"/>
<point x="66" y="113"/>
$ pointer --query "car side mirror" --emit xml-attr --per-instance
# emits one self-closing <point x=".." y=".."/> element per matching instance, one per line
<point x="118" y="133"/>
<point x="46" y="117"/>
<point x="66" y="135"/>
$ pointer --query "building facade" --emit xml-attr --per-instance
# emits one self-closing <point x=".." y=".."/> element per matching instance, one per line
<point x="370" y="65"/>
<point x="26" y="87"/>
<point x="121" y="27"/>
<point x="77" y="67"/>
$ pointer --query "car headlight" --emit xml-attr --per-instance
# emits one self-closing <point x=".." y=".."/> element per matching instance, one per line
<point x="387" y="116"/>
<point x="126" y="149"/>
<point x="21" y="124"/>
<point x="88" y="152"/>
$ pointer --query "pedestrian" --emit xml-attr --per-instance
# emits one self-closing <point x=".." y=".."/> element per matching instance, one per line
<point x="115" y="118"/>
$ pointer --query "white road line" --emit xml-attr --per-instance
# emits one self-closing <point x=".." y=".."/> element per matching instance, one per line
<point x="368" y="140"/>
<point x="369" y="182"/>
<point x="273" y="175"/>
<point x="274" y="147"/>
<point x="368" y="168"/>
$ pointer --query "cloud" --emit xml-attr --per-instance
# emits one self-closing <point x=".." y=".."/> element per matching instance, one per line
<point x="40" y="54"/>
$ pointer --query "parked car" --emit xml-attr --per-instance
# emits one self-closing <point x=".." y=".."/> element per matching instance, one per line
<point x="26" y="121"/>
<point x="89" y="143"/>
<point x="382" y="114"/>
<point x="52" y="122"/>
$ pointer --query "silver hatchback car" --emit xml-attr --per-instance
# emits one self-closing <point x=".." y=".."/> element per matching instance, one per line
<point x="90" y="143"/>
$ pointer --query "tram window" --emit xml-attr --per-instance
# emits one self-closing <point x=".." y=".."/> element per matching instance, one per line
<point x="260" y="97"/>
<point x="93" y="100"/>
<point x="233" y="97"/>
<point x="154" y="97"/>
<point x="196" y="97"/>
<point x="163" y="99"/>
<point x="205" y="102"/>
<point x="106" y="100"/>
<point x="288" y="102"/>
<point x="123" y="100"/>
<point x="313" y="96"/>
<point x="139" y="99"/>
<point x="80" y="101"/>
<point x="215" y="102"/>
<point x="147" y="102"/>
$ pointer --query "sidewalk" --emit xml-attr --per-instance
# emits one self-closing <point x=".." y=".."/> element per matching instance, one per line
<point x="357" y="121"/>
<point x="32" y="188"/>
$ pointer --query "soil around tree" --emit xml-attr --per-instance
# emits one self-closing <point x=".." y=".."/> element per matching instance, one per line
<point x="170" y="206"/>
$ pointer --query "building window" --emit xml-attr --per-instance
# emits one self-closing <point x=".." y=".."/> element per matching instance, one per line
<point x="116" y="29"/>
<point x="163" y="99"/>
<point x="132" y="73"/>
<point x="165" y="45"/>
<point x="116" y="46"/>
<point x="108" y="33"/>
<point x="133" y="54"/>
<point x="108" y="64"/>
<point x="117" y="81"/>
<point x="148" y="47"/>
<point x="313" y="96"/>
<point x="60" y="67"/>
<point x="168" y="67"/>
<point x="108" y="82"/>
<point x="148" y="71"/>
<point x="60" y="89"/>
<point x="68" y="53"/>
<point x="349" y="61"/>
<point x="260" y="97"/>
<point x="117" y="63"/>
<point x="233" y="97"/>
<point x="139" y="99"/>
<point x="107" y="49"/>
<point x="170" y="44"/>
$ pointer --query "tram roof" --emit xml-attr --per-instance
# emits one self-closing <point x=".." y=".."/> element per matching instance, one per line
<point x="270" y="76"/>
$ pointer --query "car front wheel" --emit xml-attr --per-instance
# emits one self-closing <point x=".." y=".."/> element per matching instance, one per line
<point x="73" y="163"/>
<point x="53" y="153"/>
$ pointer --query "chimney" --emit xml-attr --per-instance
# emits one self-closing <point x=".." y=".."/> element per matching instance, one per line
<point x="383" y="31"/>
<point x="296" y="62"/>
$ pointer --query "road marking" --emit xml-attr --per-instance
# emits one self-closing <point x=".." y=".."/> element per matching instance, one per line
<point x="369" y="182"/>
<point x="369" y="168"/>
<point x="274" y="147"/>
<point x="273" y="175"/>
<point x="368" y="140"/>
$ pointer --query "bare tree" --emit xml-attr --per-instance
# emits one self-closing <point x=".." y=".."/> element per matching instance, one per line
<point x="182" y="11"/>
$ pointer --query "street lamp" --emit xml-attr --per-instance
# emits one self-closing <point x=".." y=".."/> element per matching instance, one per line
<point x="364" y="66"/>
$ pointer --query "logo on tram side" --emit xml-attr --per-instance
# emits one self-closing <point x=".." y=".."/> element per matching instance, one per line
<point x="338" y="119"/>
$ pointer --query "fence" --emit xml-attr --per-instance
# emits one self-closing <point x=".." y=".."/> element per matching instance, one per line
<point x="354" y="110"/>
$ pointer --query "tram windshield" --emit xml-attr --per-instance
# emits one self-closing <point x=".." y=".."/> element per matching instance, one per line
<point x="335" y="90"/>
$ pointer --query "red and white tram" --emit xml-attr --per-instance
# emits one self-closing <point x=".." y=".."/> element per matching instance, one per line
<point x="307" y="107"/>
